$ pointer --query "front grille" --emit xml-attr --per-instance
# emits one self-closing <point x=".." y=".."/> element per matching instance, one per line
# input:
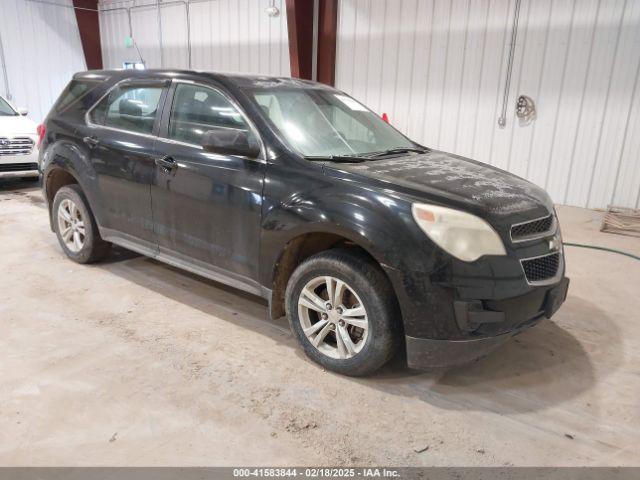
<point x="532" y="229"/>
<point x="543" y="268"/>
<point x="17" y="167"/>
<point x="15" y="146"/>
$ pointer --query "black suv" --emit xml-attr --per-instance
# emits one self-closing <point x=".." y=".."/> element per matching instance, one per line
<point x="296" y="192"/>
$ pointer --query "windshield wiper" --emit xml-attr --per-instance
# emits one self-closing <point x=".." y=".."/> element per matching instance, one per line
<point x="391" y="151"/>
<point x="337" y="158"/>
<point x="359" y="158"/>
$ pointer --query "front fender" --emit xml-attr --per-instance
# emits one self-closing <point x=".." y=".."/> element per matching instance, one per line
<point x="379" y="223"/>
<point x="351" y="216"/>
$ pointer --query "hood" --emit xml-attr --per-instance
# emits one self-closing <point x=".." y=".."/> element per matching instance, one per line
<point x="10" y="126"/>
<point x="439" y="175"/>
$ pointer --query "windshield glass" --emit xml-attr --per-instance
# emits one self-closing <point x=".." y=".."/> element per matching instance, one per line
<point x="324" y="123"/>
<point x="5" y="108"/>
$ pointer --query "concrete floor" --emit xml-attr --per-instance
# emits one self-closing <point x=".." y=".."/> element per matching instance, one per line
<point x="131" y="362"/>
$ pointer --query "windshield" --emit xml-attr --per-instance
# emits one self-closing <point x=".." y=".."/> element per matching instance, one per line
<point x="325" y="123"/>
<point x="5" y="109"/>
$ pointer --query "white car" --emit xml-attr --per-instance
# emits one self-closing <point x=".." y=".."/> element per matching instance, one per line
<point x="18" y="139"/>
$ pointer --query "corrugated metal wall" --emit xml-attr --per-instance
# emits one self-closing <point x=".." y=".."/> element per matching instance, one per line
<point x="226" y="35"/>
<point x="437" y="67"/>
<point x="42" y="51"/>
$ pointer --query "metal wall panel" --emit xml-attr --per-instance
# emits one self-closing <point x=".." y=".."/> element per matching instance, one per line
<point x="42" y="51"/>
<point x="437" y="68"/>
<point x="226" y="35"/>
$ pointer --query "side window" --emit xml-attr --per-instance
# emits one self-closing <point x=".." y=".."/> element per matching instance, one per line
<point x="129" y="108"/>
<point x="197" y="110"/>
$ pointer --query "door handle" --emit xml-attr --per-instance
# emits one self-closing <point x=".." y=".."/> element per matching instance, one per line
<point x="167" y="163"/>
<point x="92" y="142"/>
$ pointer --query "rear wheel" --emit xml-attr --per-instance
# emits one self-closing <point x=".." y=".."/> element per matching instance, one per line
<point x="76" y="228"/>
<point x="343" y="311"/>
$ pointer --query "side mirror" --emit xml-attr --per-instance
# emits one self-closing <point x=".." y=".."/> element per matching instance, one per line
<point x="23" y="111"/>
<point x="231" y="142"/>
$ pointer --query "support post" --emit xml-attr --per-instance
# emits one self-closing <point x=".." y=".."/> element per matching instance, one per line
<point x="327" y="35"/>
<point x="300" y="29"/>
<point x="89" y="27"/>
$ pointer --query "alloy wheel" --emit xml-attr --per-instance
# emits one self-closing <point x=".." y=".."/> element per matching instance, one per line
<point x="333" y="317"/>
<point x="71" y="225"/>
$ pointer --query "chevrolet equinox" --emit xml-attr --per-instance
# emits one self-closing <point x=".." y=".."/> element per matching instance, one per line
<point x="294" y="191"/>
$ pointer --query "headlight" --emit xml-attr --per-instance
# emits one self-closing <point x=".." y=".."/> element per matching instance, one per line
<point x="463" y="235"/>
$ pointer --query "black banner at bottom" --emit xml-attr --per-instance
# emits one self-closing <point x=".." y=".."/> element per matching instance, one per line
<point x="234" y="473"/>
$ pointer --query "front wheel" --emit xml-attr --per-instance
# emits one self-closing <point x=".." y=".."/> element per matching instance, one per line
<point x="343" y="311"/>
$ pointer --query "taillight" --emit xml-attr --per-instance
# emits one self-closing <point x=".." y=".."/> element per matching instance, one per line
<point x="41" y="130"/>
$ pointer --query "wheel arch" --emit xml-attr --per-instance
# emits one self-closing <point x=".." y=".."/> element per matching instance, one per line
<point x="54" y="179"/>
<point x="303" y="245"/>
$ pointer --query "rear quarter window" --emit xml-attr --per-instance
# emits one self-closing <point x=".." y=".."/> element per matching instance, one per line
<point x="76" y="96"/>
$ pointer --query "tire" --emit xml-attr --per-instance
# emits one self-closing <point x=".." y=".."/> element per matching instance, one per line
<point x="364" y="285"/>
<point x="69" y="204"/>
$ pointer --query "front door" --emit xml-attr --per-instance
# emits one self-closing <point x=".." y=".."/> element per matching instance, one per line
<point x="121" y="141"/>
<point x="206" y="206"/>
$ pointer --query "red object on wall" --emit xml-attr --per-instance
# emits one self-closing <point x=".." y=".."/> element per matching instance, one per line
<point x="385" y="117"/>
<point x="89" y="27"/>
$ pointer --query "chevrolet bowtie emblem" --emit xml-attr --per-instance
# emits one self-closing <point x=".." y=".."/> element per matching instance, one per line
<point x="554" y="244"/>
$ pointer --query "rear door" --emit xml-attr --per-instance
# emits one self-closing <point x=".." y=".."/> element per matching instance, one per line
<point x="121" y="135"/>
<point x="206" y="206"/>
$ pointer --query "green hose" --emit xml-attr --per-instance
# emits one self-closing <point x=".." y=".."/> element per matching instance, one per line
<point x="605" y="249"/>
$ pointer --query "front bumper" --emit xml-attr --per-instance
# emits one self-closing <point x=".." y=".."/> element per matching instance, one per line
<point x="12" y="166"/>
<point x="488" y="321"/>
